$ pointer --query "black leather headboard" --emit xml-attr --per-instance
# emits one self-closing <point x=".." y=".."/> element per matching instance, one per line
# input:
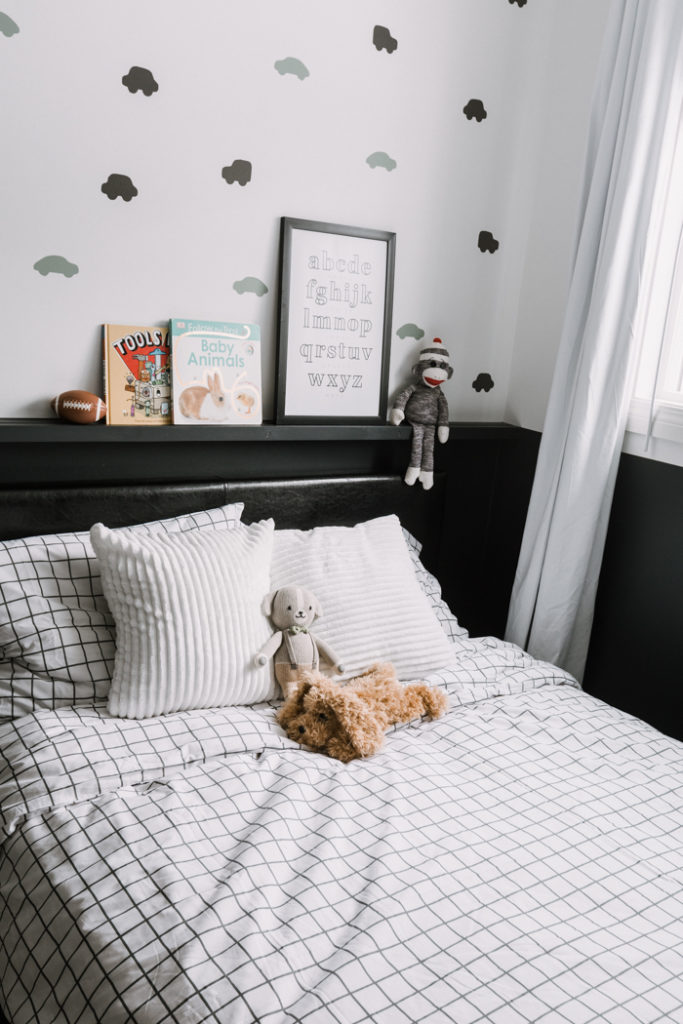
<point x="335" y="501"/>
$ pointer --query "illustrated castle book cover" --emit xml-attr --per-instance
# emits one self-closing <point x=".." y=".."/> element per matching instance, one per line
<point x="137" y="375"/>
<point x="216" y="370"/>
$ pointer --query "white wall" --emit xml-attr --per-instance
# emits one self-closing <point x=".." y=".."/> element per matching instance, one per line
<point x="563" y="87"/>
<point x="177" y="248"/>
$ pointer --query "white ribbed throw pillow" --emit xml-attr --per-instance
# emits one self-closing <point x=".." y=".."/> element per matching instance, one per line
<point x="57" y="635"/>
<point x="188" y="617"/>
<point x="373" y="608"/>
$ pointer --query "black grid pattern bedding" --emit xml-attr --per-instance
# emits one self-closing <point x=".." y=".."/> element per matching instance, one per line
<point x="518" y="860"/>
<point x="57" y="635"/>
<point x="56" y="631"/>
<point x="430" y="586"/>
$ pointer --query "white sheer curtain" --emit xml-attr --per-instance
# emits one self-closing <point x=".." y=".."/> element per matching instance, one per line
<point x="632" y="142"/>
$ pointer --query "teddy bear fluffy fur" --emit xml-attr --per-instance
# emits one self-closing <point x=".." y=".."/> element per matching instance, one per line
<point x="349" y="721"/>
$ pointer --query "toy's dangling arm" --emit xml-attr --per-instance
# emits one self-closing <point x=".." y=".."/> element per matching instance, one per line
<point x="397" y="414"/>
<point x="442" y="418"/>
<point x="328" y="654"/>
<point x="269" y="648"/>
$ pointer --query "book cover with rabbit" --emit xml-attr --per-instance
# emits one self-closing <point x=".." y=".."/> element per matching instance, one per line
<point x="216" y="370"/>
<point x="137" y="375"/>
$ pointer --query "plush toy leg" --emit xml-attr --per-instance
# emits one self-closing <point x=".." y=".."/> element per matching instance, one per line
<point x="413" y="471"/>
<point x="427" y="459"/>
<point x="289" y="677"/>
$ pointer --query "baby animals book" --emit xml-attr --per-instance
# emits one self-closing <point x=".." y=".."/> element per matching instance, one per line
<point x="137" y="375"/>
<point x="216" y="369"/>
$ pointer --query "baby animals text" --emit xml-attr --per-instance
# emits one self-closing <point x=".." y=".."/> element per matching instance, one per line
<point x="216" y="353"/>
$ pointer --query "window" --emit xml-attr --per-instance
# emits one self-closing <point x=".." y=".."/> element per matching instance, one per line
<point x="657" y="407"/>
<point x="670" y="378"/>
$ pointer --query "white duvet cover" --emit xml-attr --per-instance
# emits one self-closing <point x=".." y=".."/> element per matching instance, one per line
<point x="519" y="860"/>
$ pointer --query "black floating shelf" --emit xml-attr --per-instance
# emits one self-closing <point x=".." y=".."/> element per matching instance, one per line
<point x="54" y="431"/>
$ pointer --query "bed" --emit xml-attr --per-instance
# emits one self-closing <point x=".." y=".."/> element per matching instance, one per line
<point x="519" y="859"/>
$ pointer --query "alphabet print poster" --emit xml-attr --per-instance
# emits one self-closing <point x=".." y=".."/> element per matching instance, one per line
<point x="335" y="323"/>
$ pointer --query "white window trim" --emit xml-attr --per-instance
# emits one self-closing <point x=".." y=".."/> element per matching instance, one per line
<point x="667" y="422"/>
<point x="655" y="421"/>
<point x="666" y="436"/>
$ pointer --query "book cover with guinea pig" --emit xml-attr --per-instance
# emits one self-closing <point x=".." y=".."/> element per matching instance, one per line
<point x="216" y="369"/>
<point x="137" y="375"/>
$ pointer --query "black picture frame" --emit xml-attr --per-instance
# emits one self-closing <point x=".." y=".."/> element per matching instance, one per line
<point x="334" y="330"/>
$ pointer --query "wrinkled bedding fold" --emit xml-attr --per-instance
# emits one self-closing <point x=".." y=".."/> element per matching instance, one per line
<point x="517" y="860"/>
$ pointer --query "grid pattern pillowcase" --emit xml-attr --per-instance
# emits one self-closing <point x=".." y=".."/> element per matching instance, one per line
<point x="57" y="633"/>
<point x="188" y="617"/>
<point x="430" y="586"/>
<point x="373" y="608"/>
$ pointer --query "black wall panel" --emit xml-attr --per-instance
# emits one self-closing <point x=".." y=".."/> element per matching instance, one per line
<point x="635" y="660"/>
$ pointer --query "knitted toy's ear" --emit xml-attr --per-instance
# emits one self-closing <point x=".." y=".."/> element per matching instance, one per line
<point x="267" y="603"/>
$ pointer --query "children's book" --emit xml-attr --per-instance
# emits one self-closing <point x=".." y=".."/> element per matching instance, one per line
<point x="216" y="370"/>
<point x="137" y="375"/>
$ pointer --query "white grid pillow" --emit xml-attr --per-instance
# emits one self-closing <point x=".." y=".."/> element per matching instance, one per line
<point x="373" y="608"/>
<point x="431" y="588"/>
<point x="57" y="633"/>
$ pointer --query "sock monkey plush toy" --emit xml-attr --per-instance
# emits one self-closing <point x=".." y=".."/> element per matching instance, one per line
<point x="424" y="406"/>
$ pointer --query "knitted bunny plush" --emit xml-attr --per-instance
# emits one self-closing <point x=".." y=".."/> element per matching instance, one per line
<point x="294" y="648"/>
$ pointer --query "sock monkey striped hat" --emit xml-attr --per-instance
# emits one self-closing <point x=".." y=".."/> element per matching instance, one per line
<point x="435" y="350"/>
<point x="435" y="353"/>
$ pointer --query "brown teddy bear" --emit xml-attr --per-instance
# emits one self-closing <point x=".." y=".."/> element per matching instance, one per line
<point x="349" y="721"/>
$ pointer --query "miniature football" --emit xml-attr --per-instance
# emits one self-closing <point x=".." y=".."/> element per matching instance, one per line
<point x="79" y="406"/>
